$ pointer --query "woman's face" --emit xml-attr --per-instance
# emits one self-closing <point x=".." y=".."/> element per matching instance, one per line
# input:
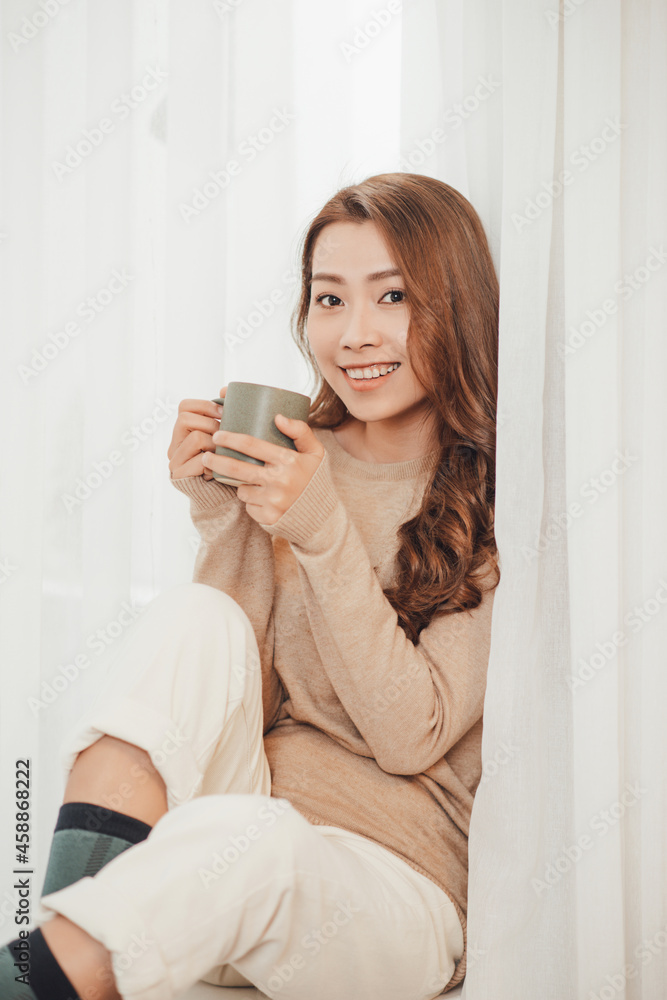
<point x="358" y="316"/>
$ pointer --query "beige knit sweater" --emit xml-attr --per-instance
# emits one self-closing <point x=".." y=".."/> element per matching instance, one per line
<point x="362" y="729"/>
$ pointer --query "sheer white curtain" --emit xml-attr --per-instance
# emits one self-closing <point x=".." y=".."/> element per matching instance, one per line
<point x="565" y="159"/>
<point x="160" y="161"/>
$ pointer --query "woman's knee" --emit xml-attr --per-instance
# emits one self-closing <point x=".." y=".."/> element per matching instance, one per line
<point x="232" y="824"/>
<point x="202" y="602"/>
<point x="198" y="609"/>
<point x="233" y="809"/>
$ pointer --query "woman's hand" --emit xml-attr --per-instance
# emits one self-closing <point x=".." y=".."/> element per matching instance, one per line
<point x="197" y="420"/>
<point x="268" y="490"/>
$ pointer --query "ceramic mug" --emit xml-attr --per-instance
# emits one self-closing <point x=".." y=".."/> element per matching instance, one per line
<point x="250" y="408"/>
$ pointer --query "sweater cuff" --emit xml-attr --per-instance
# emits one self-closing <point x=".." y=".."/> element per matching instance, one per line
<point x="204" y="494"/>
<point x="310" y="511"/>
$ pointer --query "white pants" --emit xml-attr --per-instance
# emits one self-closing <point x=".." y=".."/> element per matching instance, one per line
<point x="233" y="886"/>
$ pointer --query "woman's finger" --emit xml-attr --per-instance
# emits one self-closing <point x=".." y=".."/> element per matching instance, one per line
<point x="205" y="406"/>
<point x="186" y="424"/>
<point x="195" y="444"/>
<point x="191" y="420"/>
<point x="193" y="467"/>
<point x="269" y="453"/>
<point x="195" y="424"/>
<point x="225" y="465"/>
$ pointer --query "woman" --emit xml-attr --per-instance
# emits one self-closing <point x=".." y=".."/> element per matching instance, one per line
<point x="274" y="786"/>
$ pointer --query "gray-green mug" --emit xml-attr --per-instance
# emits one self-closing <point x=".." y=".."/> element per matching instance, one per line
<point x="250" y="408"/>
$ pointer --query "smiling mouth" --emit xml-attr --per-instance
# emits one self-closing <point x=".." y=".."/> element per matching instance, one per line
<point x="394" y="365"/>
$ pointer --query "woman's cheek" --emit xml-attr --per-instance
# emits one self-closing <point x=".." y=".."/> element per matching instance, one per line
<point x="401" y="339"/>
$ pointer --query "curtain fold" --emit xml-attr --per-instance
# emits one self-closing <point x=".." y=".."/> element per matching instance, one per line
<point x="159" y="164"/>
<point x="567" y="843"/>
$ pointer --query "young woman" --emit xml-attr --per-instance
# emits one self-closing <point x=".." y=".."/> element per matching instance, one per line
<point x="275" y="784"/>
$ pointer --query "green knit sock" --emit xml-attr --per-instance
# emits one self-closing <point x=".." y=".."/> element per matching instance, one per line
<point x="30" y="971"/>
<point x="9" y="988"/>
<point x="86" y="838"/>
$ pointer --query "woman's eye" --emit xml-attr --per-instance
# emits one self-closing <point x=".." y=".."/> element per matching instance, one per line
<point x="395" y="291"/>
<point x="330" y="305"/>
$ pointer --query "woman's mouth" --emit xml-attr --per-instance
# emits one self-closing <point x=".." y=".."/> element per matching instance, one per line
<point x="371" y="376"/>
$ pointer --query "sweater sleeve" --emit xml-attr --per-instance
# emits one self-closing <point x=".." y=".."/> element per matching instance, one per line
<point x="236" y="556"/>
<point x="410" y="703"/>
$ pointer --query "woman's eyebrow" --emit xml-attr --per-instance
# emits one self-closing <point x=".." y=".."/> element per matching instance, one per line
<point x="338" y="279"/>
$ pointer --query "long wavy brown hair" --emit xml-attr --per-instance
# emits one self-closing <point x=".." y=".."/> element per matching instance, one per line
<point x="437" y="240"/>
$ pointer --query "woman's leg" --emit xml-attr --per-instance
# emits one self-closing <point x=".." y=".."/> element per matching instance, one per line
<point x="182" y="699"/>
<point x="84" y="841"/>
<point x="84" y="960"/>
<point x="109" y="764"/>
<point x="183" y="685"/>
<point x="240" y="880"/>
<point x="98" y="772"/>
<point x="299" y="910"/>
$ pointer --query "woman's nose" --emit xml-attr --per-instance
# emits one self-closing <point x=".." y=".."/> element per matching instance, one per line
<point x="360" y="329"/>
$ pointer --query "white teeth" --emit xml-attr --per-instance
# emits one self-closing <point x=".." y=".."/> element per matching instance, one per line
<point x="373" y="372"/>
